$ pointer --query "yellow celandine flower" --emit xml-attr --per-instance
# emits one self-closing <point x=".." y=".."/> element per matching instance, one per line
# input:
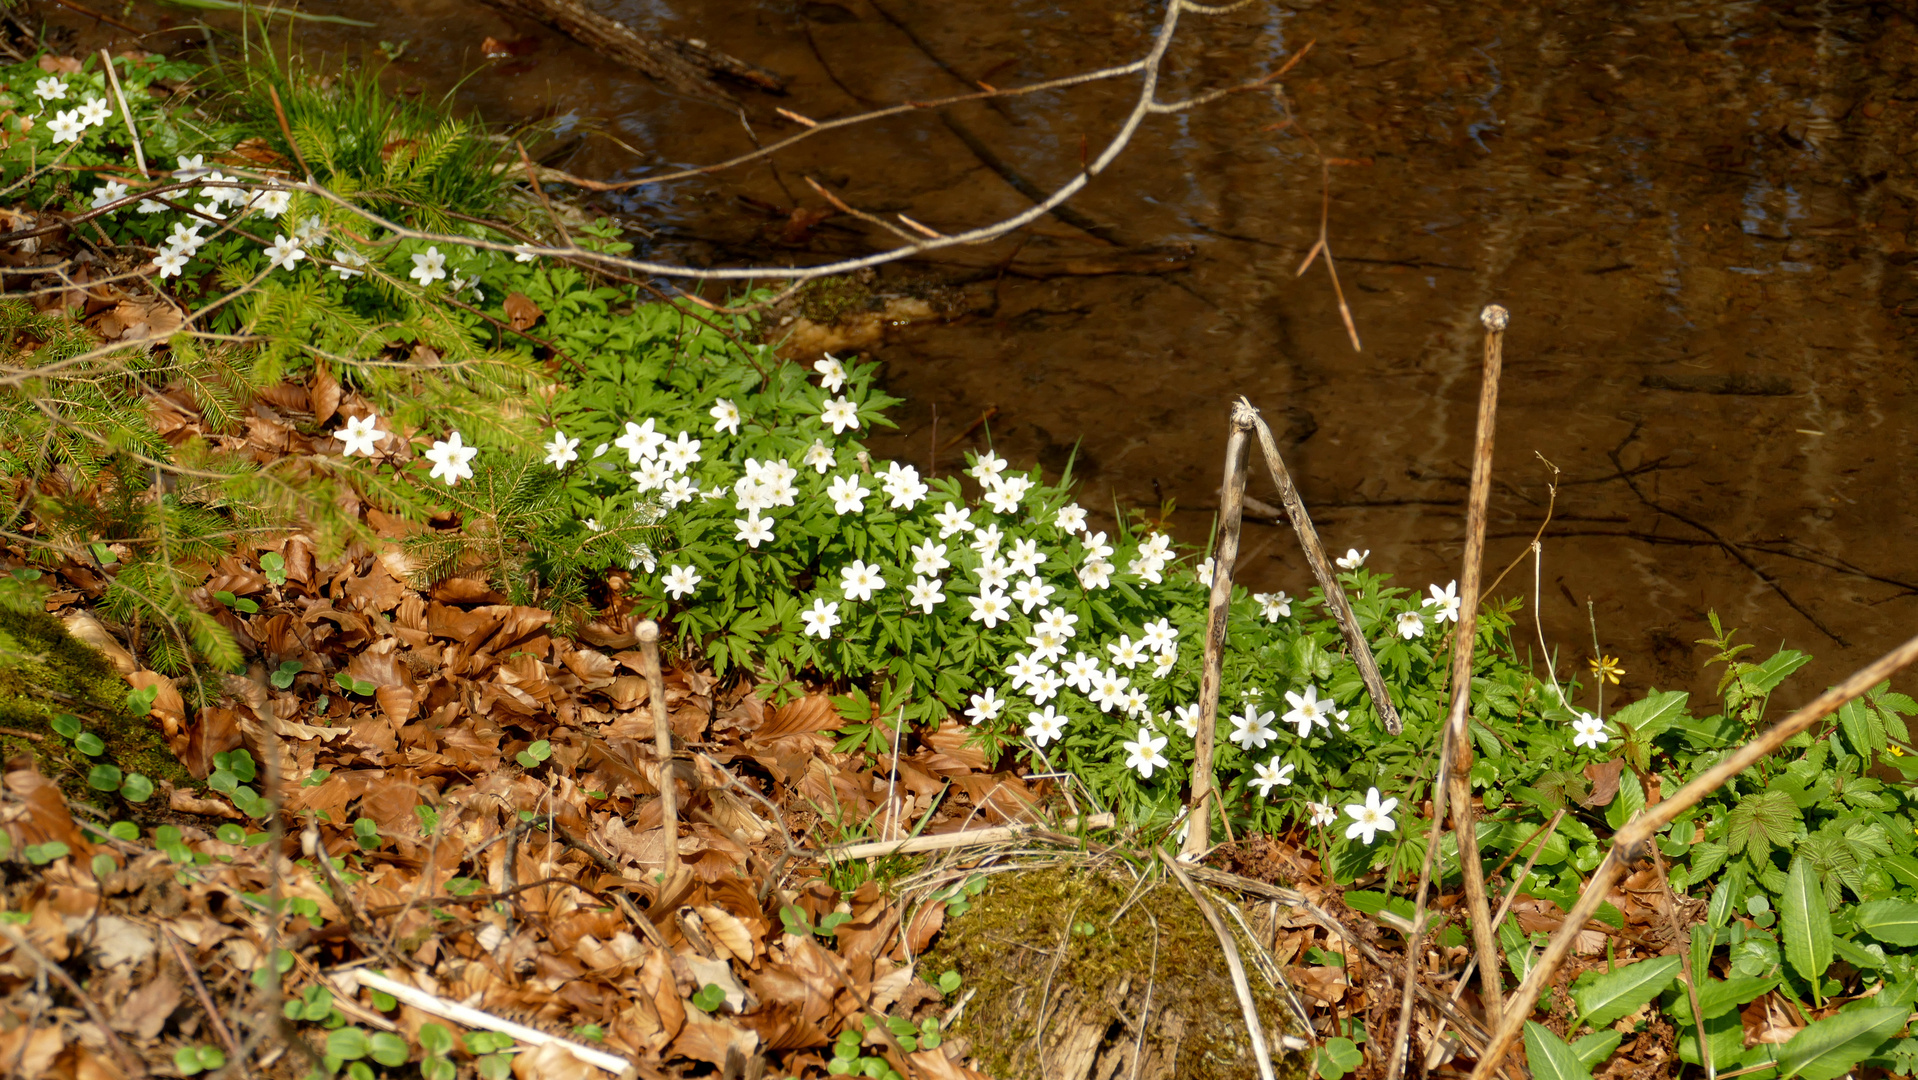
<point x="1606" y="668"/>
<point x="1895" y="750"/>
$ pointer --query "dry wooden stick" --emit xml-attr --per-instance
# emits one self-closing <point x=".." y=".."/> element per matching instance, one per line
<point x="1231" y="511"/>
<point x="1328" y="582"/>
<point x="663" y="741"/>
<point x="1641" y="829"/>
<point x="1464" y="818"/>
<point x="1453" y="786"/>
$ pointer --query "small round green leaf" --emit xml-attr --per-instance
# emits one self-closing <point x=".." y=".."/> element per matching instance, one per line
<point x="104" y="777"/>
<point x="136" y="788"/>
<point x="90" y="744"/>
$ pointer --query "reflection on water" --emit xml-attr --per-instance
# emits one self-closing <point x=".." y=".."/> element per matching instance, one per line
<point x="1700" y="215"/>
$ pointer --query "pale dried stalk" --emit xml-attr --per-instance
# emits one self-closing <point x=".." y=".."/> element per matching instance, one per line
<point x="1453" y="786"/>
<point x="1328" y="582"/>
<point x="663" y="742"/>
<point x="468" y="1016"/>
<point x="967" y="838"/>
<point x="1646" y="824"/>
<point x="113" y="79"/>
<point x="1231" y="511"/>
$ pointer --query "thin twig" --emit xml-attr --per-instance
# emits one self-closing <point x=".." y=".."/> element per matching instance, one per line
<point x="1643" y="827"/>
<point x="128" y="1059"/>
<point x="1453" y="785"/>
<point x="199" y="990"/>
<point x="1335" y="599"/>
<point x="968" y="838"/>
<point x="1225" y="558"/>
<point x="1145" y="104"/>
<point x="1458" y="732"/>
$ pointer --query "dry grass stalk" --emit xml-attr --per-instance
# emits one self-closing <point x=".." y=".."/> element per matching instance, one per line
<point x="1261" y="1053"/>
<point x="1328" y="581"/>
<point x="1642" y="828"/>
<point x="1225" y="558"/>
<point x="119" y="95"/>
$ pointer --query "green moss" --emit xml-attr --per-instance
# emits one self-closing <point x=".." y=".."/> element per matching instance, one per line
<point x="1083" y="934"/>
<point x="44" y="672"/>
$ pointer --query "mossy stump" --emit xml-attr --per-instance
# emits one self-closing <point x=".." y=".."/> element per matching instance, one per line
<point x="45" y="671"/>
<point x="1080" y="971"/>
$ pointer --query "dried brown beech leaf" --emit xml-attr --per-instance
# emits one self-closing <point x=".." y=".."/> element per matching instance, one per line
<point x="520" y="310"/>
<point x="814" y="712"/>
<point x="714" y="1041"/>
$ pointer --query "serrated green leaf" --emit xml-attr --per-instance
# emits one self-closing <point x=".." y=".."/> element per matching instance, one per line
<point x="1603" y="997"/>
<point x="1549" y="1057"/>
<point x="1804" y="922"/>
<point x="1829" y="1048"/>
<point x="1760" y="822"/>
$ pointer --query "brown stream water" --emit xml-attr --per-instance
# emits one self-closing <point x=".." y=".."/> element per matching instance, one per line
<point x="1700" y="215"/>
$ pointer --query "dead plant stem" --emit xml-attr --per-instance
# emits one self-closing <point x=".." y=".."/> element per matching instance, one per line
<point x="1218" y="609"/>
<point x="1335" y="599"/>
<point x="1254" y="1027"/>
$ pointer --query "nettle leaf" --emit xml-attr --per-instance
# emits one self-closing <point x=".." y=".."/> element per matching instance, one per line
<point x="1603" y="997"/>
<point x="1760" y="822"/>
<point x="1804" y="922"/>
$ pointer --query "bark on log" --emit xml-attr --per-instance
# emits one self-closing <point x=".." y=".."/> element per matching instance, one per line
<point x="687" y="67"/>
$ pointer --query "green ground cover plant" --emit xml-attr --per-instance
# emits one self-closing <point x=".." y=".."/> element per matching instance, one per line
<point x="731" y="495"/>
